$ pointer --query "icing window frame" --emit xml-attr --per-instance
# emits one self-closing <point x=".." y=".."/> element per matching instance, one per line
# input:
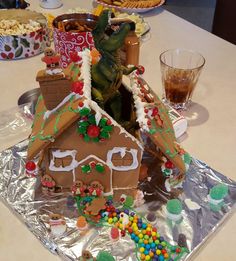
<point x="123" y="151"/>
<point x="62" y="155"/>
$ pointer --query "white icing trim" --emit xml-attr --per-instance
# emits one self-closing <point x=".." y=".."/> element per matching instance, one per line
<point x="85" y="72"/>
<point x="192" y="205"/>
<point x="48" y="113"/>
<point x="122" y="151"/>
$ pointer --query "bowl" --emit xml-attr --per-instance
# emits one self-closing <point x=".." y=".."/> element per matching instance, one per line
<point x="71" y="41"/>
<point x="19" y="46"/>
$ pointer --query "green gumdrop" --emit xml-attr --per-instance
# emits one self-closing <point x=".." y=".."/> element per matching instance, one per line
<point x="105" y="256"/>
<point x="219" y="191"/>
<point x="86" y="168"/>
<point x="174" y="206"/>
<point x="129" y="201"/>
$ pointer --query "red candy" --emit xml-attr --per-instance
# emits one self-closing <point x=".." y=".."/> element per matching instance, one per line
<point x="81" y="104"/>
<point x="169" y="165"/>
<point x="93" y="131"/>
<point x="178" y="250"/>
<point x="30" y="166"/>
<point x="77" y="87"/>
<point x="140" y="69"/>
<point x="93" y="164"/>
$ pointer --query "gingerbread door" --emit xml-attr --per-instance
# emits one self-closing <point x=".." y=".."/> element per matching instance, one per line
<point x="93" y="171"/>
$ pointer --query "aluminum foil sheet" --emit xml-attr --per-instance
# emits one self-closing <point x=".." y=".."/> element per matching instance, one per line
<point x="21" y="194"/>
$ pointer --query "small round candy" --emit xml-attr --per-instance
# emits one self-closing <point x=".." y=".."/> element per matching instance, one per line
<point x="133" y="236"/>
<point x="131" y="219"/>
<point x="144" y="231"/>
<point x="151" y="254"/>
<point x="144" y="225"/>
<point x="142" y="257"/>
<point x="153" y="245"/>
<point x="141" y="249"/>
<point x="110" y="220"/>
<point x="161" y="258"/>
<point x="158" y="252"/>
<point x="146" y="237"/>
<point x="148" y="229"/>
<point x="150" y="240"/>
<point x="166" y="255"/>
<point x="106" y="218"/>
<point x="154" y="233"/>
<point x="163" y="243"/>
<point x="140" y="235"/>
<point x="147" y="257"/>
<point x="178" y="250"/>
<point x="146" y="252"/>
<point x="148" y="246"/>
<point x="136" y="239"/>
<point x="132" y="214"/>
<point x="115" y="219"/>
<point x="140" y="241"/>
<point x="159" y="246"/>
<point x="145" y="241"/>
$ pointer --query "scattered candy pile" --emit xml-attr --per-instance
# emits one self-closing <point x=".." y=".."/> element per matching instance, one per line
<point x="150" y="244"/>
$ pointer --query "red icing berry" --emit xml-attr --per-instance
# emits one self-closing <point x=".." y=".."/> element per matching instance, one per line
<point x="102" y="139"/>
<point x="178" y="250"/>
<point x="81" y="104"/>
<point x="81" y="92"/>
<point x="93" y="164"/>
<point x="30" y="165"/>
<point x="77" y="86"/>
<point x="154" y="112"/>
<point x="146" y="110"/>
<point x="169" y="165"/>
<point x="4" y="56"/>
<point x="11" y="55"/>
<point x="81" y="136"/>
<point x="108" y="122"/>
<point x="149" y="122"/>
<point x="140" y="69"/>
<point x="75" y="57"/>
<point x="93" y="131"/>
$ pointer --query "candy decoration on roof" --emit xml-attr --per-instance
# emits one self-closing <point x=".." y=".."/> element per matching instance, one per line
<point x="52" y="62"/>
<point x="31" y="169"/>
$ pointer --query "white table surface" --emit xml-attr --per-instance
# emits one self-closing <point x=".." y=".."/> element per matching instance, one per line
<point x="211" y="135"/>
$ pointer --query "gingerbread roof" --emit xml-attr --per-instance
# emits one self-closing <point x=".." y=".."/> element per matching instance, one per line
<point x="49" y="125"/>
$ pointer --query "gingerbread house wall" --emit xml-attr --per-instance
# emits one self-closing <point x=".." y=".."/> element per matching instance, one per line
<point x="70" y="140"/>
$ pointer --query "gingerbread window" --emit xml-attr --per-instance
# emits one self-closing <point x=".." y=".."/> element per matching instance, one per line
<point x="62" y="160"/>
<point x="122" y="159"/>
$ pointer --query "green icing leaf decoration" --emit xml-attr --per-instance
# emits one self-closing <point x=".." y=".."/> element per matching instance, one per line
<point x="102" y="122"/>
<point x="152" y="131"/>
<point x="107" y="128"/>
<point x="104" y="134"/>
<point x="84" y="112"/>
<point x="25" y="43"/>
<point x="19" y="52"/>
<point x="82" y="130"/>
<point x="99" y="168"/>
<point x="85" y="168"/>
<point x="91" y="119"/>
<point x="86" y="138"/>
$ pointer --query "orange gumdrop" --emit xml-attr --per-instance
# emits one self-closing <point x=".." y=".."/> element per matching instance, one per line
<point x="81" y="222"/>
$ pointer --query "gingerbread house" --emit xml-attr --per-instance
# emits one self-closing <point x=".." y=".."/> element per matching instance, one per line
<point x="77" y="142"/>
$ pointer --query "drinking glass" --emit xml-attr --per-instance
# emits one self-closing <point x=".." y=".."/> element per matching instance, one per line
<point x="180" y="70"/>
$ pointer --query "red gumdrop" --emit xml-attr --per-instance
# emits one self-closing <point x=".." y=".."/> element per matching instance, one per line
<point x="115" y="233"/>
<point x="169" y="165"/>
<point x="93" y="164"/>
<point x="75" y="57"/>
<point x="93" y="131"/>
<point x="30" y="166"/>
